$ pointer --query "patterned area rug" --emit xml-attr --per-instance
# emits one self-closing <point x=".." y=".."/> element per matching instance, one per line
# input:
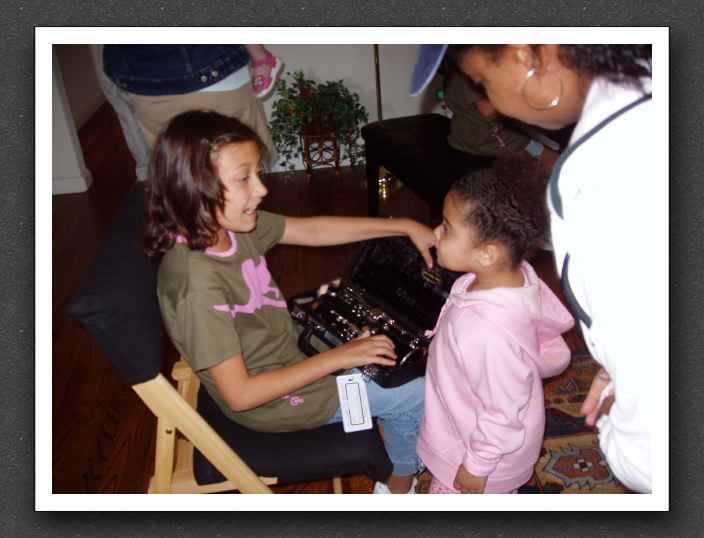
<point x="570" y="461"/>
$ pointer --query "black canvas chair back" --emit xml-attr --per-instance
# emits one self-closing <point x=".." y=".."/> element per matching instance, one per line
<point x="116" y="299"/>
<point x="117" y="304"/>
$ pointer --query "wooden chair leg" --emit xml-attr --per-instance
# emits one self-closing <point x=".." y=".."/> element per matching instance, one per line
<point x="336" y="484"/>
<point x="187" y="385"/>
<point x="164" y="457"/>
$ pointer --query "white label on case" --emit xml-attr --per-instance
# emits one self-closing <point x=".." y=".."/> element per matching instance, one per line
<point x="354" y="402"/>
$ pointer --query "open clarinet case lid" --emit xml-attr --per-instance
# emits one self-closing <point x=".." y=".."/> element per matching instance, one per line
<point x="388" y="290"/>
<point x="393" y="274"/>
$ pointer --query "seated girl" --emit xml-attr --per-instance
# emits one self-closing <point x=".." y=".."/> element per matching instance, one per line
<point x="226" y="315"/>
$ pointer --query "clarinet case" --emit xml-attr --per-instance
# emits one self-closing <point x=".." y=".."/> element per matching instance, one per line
<point x="388" y="290"/>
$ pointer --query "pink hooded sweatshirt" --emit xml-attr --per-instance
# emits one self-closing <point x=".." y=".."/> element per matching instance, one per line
<point x="484" y="403"/>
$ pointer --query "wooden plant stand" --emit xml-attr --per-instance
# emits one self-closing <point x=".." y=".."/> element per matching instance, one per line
<point x="320" y="148"/>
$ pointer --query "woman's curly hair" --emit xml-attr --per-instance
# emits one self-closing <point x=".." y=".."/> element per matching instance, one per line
<point x="506" y="203"/>
<point x="184" y="192"/>
<point x="621" y="64"/>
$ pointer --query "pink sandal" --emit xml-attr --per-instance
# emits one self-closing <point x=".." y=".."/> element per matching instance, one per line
<point x="263" y="86"/>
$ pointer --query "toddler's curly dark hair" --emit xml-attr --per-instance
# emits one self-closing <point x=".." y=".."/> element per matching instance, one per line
<point x="506" y="203"/>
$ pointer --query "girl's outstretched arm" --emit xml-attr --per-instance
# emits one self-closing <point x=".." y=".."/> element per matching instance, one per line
<point x="333" y="230"/>
<point x="242" y="391"/>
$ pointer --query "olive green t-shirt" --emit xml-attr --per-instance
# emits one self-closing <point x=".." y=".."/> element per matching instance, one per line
<point x="469" y="130"/>
<point x="216" y="306"/>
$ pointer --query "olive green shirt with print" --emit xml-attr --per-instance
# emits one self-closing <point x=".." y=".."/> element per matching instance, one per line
<point x="219" y="305"/>
<point x="469" y="130"/>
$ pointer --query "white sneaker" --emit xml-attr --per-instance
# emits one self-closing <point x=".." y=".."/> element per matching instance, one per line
<point x="381" y="487"/>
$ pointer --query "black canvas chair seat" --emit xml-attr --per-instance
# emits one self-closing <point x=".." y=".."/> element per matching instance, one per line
<point x="117" y="304"/>
<point x="335" y="452"/>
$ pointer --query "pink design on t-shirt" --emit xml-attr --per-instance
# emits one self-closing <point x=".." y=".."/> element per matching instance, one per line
<point x="258" y="280"/>
<point x="295" y="401"/>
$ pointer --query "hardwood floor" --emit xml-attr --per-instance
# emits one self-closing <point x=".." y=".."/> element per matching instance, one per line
<point x="103" y="435"/>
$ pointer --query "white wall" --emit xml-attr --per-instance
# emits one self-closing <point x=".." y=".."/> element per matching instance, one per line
<point x="82" y="87"/>
<point x="69" y="173"/>
<point x="396" y="64"/>
<point x="355" y="65"/>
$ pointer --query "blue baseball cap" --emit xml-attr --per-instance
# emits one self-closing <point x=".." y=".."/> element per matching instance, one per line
<point x="429" y="58"/>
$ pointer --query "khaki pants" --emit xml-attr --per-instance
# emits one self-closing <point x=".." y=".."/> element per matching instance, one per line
<point x="122" y="104"/>
<point x="153" y="112"/>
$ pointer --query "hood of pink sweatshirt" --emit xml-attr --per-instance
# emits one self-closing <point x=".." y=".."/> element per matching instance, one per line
<point x="532" y="316"/>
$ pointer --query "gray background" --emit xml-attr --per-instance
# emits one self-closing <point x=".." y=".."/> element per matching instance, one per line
<point x="17" y="231"/>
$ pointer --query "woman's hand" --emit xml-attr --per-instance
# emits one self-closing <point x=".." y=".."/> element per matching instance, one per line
<point x="423" y="238"/>
<point x="592" y="408"/>
<point x="466" y="482"/>
<point x="377" y="349"/>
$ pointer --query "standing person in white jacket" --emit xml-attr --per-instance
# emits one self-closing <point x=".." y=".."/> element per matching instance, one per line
<point x="600" y="195"/>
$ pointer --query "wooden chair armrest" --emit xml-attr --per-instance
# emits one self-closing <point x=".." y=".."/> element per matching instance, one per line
<point x="181" y="371"/>
<point x="187" y="382"/>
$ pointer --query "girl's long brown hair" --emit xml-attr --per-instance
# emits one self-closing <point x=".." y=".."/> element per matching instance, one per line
<point x="184" y="192"/>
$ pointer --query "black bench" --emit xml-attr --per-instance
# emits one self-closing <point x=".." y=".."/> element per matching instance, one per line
<point x="415" y="150"/>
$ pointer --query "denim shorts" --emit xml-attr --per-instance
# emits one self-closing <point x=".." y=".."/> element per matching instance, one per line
<point x="400" y="410"/>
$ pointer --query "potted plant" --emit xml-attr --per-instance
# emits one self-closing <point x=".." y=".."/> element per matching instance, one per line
<point x="305" y="107"/>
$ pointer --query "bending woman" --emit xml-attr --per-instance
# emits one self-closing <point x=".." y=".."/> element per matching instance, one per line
<point x="600" y="195"/>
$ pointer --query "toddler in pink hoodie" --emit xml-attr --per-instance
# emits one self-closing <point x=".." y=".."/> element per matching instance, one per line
<point x="497" y="336"/>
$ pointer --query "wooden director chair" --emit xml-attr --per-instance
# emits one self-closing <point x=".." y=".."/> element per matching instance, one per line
<point x="198" y="449"/>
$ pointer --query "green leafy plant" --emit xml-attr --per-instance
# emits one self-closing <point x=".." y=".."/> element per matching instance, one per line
<point x="303" y="102"/>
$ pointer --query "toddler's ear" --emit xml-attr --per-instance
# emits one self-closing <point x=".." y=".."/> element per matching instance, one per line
<point x="489" y="254"/>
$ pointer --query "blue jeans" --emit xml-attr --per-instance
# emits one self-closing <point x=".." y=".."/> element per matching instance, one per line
<point x="400" y="410"/>
<point x="171" y="69"/>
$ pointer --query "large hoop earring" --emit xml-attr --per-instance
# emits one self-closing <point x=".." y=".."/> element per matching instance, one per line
<point x="553" y="103"/>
